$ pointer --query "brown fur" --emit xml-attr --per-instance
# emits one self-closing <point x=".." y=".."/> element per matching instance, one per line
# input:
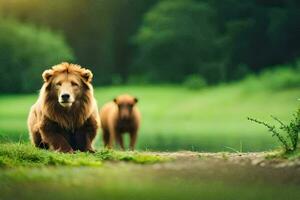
<point x="61" y="126"/>
<point x="119" y="117"/>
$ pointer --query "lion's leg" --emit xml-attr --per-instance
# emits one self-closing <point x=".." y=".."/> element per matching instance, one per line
<point x="85" y="135"/>
<point x="53" y="135"/>
<point x="36" y="139"/>
<point x="57" y="142"/>
<point x="34" y="133"/>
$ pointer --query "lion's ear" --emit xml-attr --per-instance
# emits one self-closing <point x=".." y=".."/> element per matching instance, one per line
<point x="47" y="74"/>
<point x="87" y="75"/>
<point x="135" y="100"/>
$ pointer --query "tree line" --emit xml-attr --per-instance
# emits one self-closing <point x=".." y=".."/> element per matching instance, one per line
<point x="151" y="41"/>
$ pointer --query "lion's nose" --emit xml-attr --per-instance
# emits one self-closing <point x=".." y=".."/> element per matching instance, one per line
<point x="65" y="97"/>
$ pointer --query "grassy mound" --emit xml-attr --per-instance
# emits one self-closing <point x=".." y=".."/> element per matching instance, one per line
<point x="25" y="155"/>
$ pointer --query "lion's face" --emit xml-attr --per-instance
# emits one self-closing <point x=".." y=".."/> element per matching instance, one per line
<point x="67" y="83"/>
<point x="68" y="87"/>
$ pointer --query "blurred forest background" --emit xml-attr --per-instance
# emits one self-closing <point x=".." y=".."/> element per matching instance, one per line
<point x="148" y="41"/>
<point x="199" y="67"/>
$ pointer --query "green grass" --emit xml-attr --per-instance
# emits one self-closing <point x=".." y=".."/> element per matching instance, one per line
<point x="280" y="154"/>
<point x="295" y="155"/>
<point x="25" y="155"/>
<point x="175" y="118"/>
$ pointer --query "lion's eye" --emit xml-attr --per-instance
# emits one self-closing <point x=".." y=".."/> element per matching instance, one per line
<point x="58" y="84"/>
<point x="74" y="84"/>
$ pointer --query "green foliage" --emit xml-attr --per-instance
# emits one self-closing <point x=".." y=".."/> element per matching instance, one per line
<point x="287" y="155"/>
<point x="258" y="34"/>
<point x="116" y="79"/>
<point x="284" y="77"/>
<point x="221" y="40"/>
<point x="25" y="51"/>
<point x="294" y="155"/>
<point x="142" y="79"/>
<point x="240" y="38"/>
<point x="99" y="34"/>
<point x="178" y="38"/>
<point x="290" y="140"/>
<point x="25" y="155"/>
<point x="281" y="78"/>
<point x="194" y="82"/>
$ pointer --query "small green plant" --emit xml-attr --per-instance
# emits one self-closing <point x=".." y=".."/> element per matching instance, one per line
<point x="289" y="140"/>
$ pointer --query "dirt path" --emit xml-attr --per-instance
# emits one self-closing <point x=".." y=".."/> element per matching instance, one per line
<point x="253" y="159"/>
<point x="232" y="167"/>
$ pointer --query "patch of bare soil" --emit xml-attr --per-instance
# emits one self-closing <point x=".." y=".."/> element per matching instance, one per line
<point x="232" y="167"/>
<point x="251" y="159"/>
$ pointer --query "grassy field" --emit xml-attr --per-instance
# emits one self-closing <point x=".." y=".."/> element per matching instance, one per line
<point x="175" y="118"/>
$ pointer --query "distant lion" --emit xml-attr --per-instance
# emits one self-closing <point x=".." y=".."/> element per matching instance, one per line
<point x="65" y="117"/>
<point x="118" y="117"/>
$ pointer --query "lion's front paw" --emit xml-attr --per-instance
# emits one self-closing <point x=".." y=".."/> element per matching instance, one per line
<point x="65" y="150"/>
<point x="91" y="150"/>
